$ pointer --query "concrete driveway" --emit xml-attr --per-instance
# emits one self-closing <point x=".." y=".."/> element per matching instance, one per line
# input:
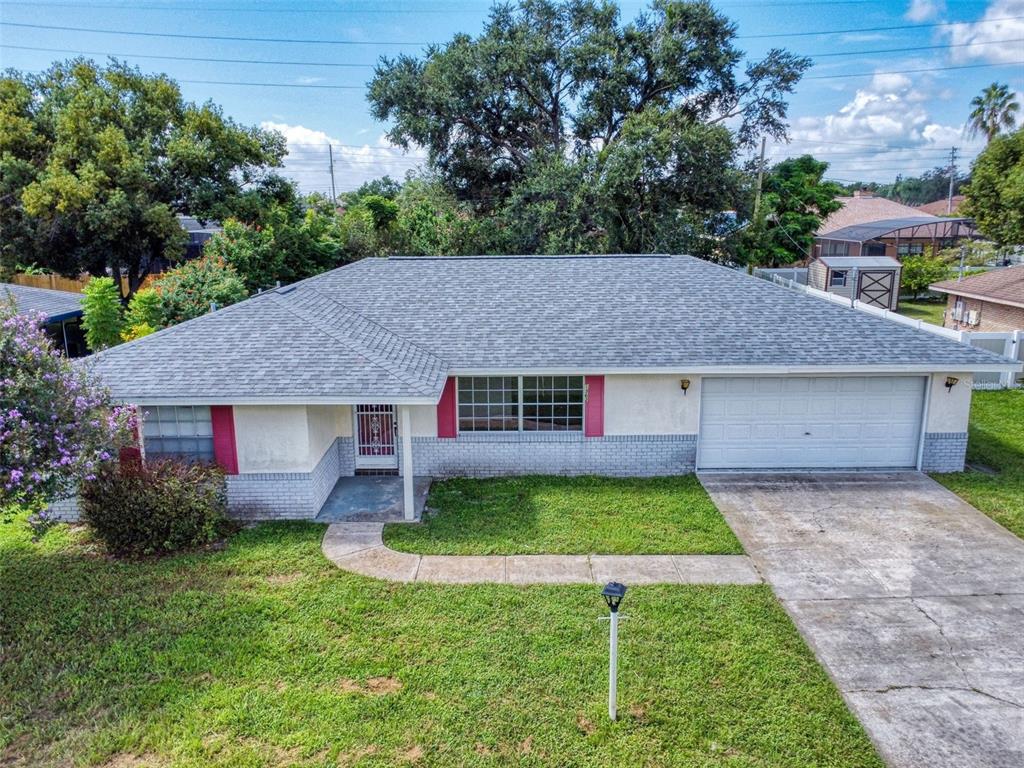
<point x="910" y="598"/>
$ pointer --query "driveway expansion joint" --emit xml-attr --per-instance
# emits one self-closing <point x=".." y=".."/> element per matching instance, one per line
<point x="371" y="557"/>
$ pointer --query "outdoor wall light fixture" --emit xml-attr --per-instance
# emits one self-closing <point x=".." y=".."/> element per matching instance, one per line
<point x="684" y="384"/>
<point x="613" y="593"/>
<point x="951" y="381"/>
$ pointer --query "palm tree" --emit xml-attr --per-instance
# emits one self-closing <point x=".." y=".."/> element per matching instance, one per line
<point x="993" y="110"/>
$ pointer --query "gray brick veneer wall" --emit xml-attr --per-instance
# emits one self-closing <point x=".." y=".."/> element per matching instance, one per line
<point x="553" y="453"/>
<point x="944" y="451"/>
<point x="65" y="509"/>
<point x="290" y="495"/>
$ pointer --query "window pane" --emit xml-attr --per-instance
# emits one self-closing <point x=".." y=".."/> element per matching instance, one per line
<point x="553" y="403"/>
<point x="179" y="431"/>
<point x="488" y="404"/>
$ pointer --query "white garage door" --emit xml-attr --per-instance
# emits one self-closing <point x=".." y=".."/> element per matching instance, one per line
<point x="795" y="422"/>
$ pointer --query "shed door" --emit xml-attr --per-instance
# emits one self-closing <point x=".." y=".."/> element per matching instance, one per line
<point x="876" y="287"/>
<point x="810" y="422"/>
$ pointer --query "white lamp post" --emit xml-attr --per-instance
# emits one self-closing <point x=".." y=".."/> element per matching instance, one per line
<point x="613" y="593"/>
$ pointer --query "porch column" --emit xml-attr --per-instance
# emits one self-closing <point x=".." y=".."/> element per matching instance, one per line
<point x="405" y="429"/>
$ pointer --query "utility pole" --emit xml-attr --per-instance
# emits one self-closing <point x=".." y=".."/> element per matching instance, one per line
<point x="760" y="181"/>
<point x="952" y="175"/>
<point x="330" y="156"/>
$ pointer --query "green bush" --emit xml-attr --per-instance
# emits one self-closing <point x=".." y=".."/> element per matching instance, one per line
<point x="158" y="507"/>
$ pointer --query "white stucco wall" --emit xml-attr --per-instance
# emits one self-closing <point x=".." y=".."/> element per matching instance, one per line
<point x="949" y="410"/>
<point x="325" y="423"/>
<point x="650" y="405"/>
<point x="424" y="420"/>
<point x="272" y="438"/>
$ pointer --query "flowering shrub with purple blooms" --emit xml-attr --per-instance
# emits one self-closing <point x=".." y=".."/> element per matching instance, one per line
<point x="58" y="426"/>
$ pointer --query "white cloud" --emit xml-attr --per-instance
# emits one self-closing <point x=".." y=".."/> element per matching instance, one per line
<point x="884" y="129"/>
<point x="978" y="40"/>
<point x="923" y="10"/>
<point x="308" y="160"/>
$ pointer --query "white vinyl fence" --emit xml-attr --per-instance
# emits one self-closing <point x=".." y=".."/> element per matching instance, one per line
<point x="1006" y="343"/>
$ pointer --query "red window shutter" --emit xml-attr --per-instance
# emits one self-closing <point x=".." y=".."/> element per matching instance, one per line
<point x="593" y="420"/>
<point x="224" y="451"/>
<point x="131" y="454"/>
<point x="447" y="423"/>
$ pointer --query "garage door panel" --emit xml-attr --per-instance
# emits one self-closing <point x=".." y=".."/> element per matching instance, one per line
<point x="810" y="422"/>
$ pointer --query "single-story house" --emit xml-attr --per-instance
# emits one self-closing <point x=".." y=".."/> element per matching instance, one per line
<point x="991" y="301"/>
<point x="945" y="206"/>
<point x="873" y="280"/>
<point x="869" y="225"/>
<point x="62" y="311"/>
<point x="484" y="366"/>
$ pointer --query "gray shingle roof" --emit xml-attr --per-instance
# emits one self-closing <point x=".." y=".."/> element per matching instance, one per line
<point x="56" y="305"/>
<point x="394" y="328"/>
<point x="849" y="262"/>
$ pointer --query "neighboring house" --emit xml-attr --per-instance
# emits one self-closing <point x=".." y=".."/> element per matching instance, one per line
<point x="943" y="207"/>
<point x="867" y="225"/>
<point x="199" y="232"/>
<point x="62" y="310"/>
<point x="483" y="366"/>
<point x="991" y="301"/>
<point x="874" y="280"/>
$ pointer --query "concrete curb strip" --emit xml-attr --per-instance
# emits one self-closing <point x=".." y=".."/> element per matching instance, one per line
<point x="359" y="547"/>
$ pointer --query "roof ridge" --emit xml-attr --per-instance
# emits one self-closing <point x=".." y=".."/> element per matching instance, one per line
<point x="364" y="349"/>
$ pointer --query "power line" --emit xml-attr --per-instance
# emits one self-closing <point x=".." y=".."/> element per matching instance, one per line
<point x="235" y="38"/>
<point x="323" y="86"/>
<point x="275" y="85"/>
<point x="911" y="71"/>
<point x="308" y="41"/>
<point x="913" y="49"/>
<point x="874" y="29"/>
<point x="245" y="9"/>
<point x="279" y="62"/>
<point x="192" y="58"/>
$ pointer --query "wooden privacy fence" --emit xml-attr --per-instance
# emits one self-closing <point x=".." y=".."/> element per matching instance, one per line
<point x="72" y="284"/>
<point x="1006" y="343"/>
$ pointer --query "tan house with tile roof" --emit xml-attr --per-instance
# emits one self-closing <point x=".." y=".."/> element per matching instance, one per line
<point x="868" y="225"/>
<point x="942" y="207"/>
<point x="991" y="301"/>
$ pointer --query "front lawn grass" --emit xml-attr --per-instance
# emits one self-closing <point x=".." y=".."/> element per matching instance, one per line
<point x="929" y="311"/>
<point x="266" y="655"/>
<point x="544" y="514"/>
<point x="995" y="443"/>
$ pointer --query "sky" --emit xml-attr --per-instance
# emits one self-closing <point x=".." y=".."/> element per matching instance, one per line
<point x="889" y="91"/>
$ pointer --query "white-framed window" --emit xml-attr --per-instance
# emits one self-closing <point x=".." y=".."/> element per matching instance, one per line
<point x="837" y="278"/>
<point x="553" y="403"/>
<point x="520" y="403"/>
<point x="488" y="403"/>
<point x="180" y="431"/>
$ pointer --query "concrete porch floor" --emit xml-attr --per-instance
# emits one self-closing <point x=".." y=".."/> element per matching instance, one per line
<point x="372" y="499"/>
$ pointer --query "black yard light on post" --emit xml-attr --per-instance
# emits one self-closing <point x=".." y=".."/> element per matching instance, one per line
<point x="613" y="593"/>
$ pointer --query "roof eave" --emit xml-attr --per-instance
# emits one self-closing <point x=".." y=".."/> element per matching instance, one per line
<point x="749" y="370"/>
<point x="143" y="399"/>
<point x="979" y="296"/>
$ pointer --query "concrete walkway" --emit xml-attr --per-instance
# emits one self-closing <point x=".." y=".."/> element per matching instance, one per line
<point x="911" y="599"/>
<point x="358" y="547"/>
